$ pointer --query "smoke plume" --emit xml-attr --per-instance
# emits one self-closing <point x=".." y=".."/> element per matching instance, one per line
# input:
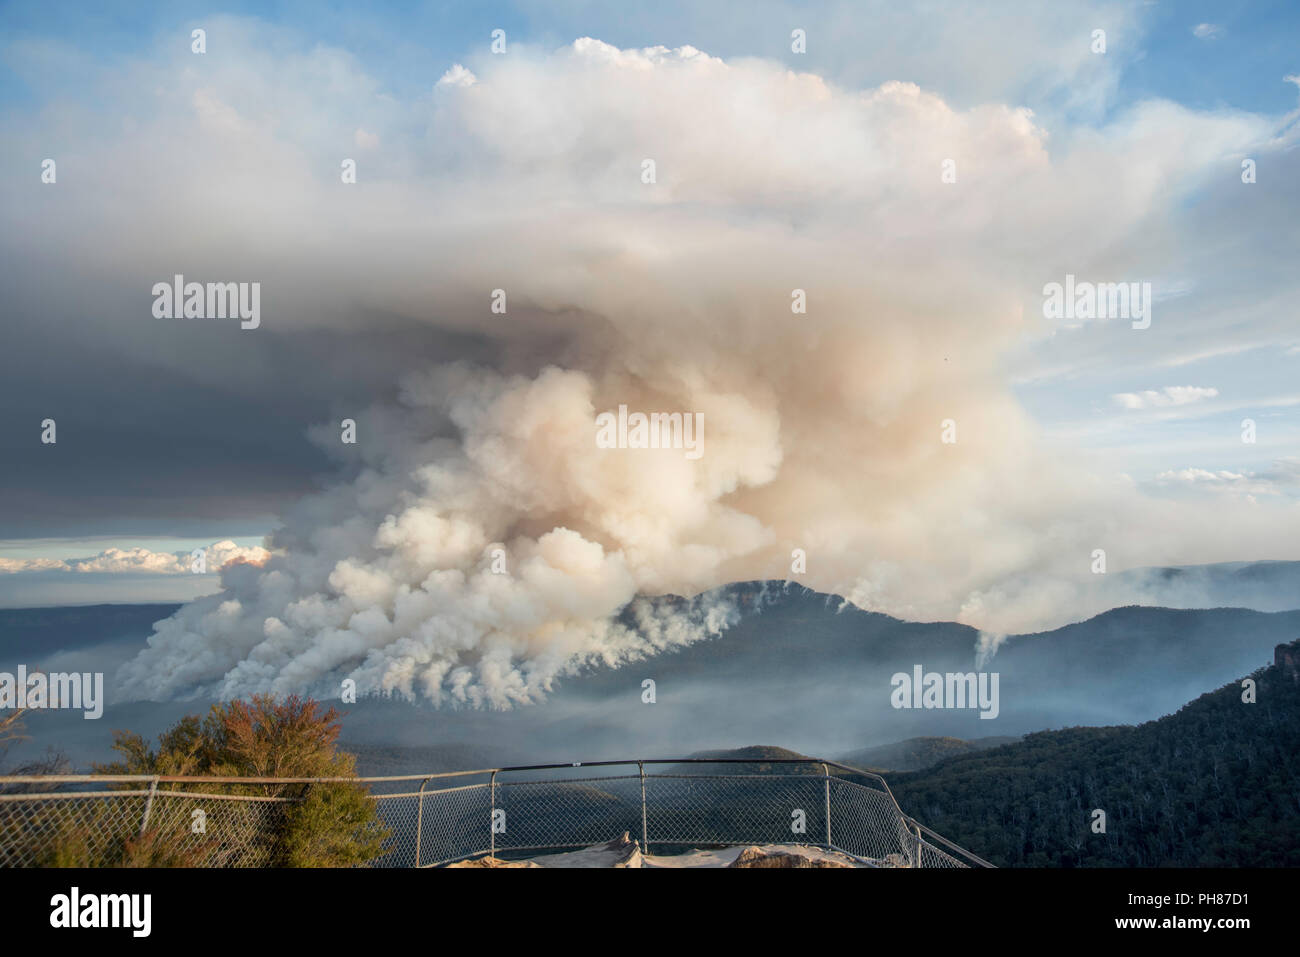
<point x="478" y="544"/>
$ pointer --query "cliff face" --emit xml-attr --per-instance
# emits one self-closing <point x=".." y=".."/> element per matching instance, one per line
<point x="1287" y="658"/>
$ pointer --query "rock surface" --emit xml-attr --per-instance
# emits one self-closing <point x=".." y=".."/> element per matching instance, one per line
<point x="620" y="852"/>
<point x="623" y="851"/>
<point x="786" y="856"/>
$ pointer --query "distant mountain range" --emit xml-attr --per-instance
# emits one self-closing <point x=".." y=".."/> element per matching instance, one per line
<point x="1263" y="586"/>
<point x="800" y="667"/>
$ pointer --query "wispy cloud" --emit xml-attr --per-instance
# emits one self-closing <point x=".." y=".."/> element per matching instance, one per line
<point x="1281" y="478"/>
<point x="1170" y="395"/>
<point x="140" y="560"/>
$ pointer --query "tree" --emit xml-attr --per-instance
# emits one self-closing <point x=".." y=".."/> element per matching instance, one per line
<point x="11" y="728"/>
<point x="322" y="824"/>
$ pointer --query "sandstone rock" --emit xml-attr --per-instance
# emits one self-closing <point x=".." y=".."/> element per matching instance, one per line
<point x="493" y="862"/>
<point x="792" y="856"/>
<point x="1287" y="657"/>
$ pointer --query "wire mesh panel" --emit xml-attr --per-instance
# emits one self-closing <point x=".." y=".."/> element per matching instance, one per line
<point x="931" y="856"/>
<point x="399" y="813"/>
<point x="204" y="830"/>
<point x="113" y="829"/>
<point x="46" y="831"/>
<point x="566" y="813"/>
<point x="456" y="823"/>
<point x="703" y="810"/>
<point x="866" y="823"/>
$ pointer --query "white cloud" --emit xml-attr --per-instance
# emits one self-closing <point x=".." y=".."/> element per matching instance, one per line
<point x="1281" y="478"/>
<point x="1170" y="395"/>
<point x="140" y="560"/>
<point x="14" y="565"/>
<point x="457" y="76"/>
<point x="1207" y="31"/>
<point x="1195" y="476"/>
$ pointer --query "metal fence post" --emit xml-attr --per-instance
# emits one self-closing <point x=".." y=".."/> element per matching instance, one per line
<point x="492" y="824"/>
<point x="419" y="821"/>
<point x="148" y="805"/>
<point x="645" y="835"/>
<point x="827" y="772"/>
<point x="918" y="847"/>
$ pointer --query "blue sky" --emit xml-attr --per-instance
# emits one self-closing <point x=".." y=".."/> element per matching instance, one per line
<point x="1239" y="63"/>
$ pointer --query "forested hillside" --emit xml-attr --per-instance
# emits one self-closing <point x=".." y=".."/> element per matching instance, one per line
<point x="1215" y="784"/>
<point x="917" y="753"/>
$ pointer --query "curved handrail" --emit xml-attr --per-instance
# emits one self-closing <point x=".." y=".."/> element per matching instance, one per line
<point x="426" y="777"/>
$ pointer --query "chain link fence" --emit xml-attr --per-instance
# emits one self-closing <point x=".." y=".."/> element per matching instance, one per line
<point x="65" y="822"/>
<point x="668" y="806"/>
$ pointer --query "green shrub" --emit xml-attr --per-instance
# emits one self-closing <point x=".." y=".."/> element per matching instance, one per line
<point x="328" y="824"/>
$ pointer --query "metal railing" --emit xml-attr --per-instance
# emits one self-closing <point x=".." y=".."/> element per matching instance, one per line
<point x="667" y="805"/>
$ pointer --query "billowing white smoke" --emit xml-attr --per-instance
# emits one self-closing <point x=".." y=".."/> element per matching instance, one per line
<point x="822" y="430"/>
<point x="423" y="575"/>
